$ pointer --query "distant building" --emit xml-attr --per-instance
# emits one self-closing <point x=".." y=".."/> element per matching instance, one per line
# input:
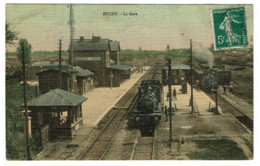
<point x="102" y="56"/>
<point x="49" y="79"/>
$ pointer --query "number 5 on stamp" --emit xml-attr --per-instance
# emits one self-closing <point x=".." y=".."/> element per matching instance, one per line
<point x="229" y="27"/>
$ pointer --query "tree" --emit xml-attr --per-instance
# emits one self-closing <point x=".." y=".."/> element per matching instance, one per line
<point x="10" y="35"/>
<point x="168" y="47"/>
<point x="27" y="48"/>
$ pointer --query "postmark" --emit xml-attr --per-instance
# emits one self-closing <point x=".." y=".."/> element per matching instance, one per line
<point x="229" y="27"/>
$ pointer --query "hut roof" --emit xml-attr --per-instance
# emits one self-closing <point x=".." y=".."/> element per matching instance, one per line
<point x="57" y="98"/>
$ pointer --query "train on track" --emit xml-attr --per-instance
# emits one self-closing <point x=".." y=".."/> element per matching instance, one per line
<point x="209" y="79"/>
<point x="149" y="107"/>
<point x="205" y="77"/>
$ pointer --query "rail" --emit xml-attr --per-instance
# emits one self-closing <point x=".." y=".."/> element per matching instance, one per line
<point x="131" y="93"/>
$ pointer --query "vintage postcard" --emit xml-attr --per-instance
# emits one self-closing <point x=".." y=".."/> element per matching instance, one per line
<point x="129" y="82"/>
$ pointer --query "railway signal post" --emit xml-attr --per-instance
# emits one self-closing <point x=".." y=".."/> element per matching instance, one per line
<point x="170" y="97"/>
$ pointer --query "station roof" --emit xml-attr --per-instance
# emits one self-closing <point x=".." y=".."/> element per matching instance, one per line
<point x="57" y="98"/>
<point x="177" y="66"/>
<point x="95" y="44"/>
<point x="89" y="45"/>
<point x="49" y="64"/>
<point x="121" y="67"/>
<point x="112" y="62"/>
<point x="79" y="72"/>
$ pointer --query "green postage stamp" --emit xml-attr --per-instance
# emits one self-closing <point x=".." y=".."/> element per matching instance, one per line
<point x="229" y="27"/>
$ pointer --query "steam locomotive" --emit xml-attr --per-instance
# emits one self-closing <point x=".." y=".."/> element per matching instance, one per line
<point x="149" y="107"/>
<point x="209" y="79"/>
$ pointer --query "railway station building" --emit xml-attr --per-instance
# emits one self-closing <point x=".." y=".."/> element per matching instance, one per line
<point x="102" y="57"/>
<point x="83" y="80"/>
<point x="55" y="114"/>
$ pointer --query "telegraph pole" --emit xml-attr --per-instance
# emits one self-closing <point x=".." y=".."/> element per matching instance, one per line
<point x="191" y="85"/>
<point x="71" y="23"/>
<point x="25" y="106"/>
<point x="170" y="96"/>
<point x="60" y="79"/>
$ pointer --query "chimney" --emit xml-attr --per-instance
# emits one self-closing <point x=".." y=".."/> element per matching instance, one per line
<point x="81" y="38"/>
<point x="95" y="39"/>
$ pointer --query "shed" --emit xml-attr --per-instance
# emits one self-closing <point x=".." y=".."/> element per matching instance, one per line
<point x="37" y="67"/>
<point x="56" y="114"/>
<point x="179" y="73"/>
<point x="123" y="70"/>
<point x="49" y="79"/>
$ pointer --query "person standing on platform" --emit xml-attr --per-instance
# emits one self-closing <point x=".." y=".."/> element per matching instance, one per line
<point x="175" y="94"/>
<point x="165" y="112"/>
<point x="230" y="88"/>
<point x="224" y="89"/>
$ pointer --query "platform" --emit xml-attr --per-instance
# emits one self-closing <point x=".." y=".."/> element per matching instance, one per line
<point x="203" y="125"/>
<point x="202" y="102"/>
<point x="101" y="100"/>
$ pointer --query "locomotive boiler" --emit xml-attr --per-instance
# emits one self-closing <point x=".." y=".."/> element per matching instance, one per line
<point x="149" y="107"/>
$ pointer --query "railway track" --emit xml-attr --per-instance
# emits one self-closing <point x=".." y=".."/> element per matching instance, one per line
<point x="143" y="148"/>
<point x="236" y="112"/>
<point x="103" y="140"/>
<point x="230" y="108"/>
<point x="101" y="143"/>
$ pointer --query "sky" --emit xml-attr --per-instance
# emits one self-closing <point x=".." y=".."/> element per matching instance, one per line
<point x="153" y="28"/>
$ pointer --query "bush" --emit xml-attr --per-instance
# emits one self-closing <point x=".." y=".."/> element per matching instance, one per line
<point x="217" y="150"/>
<point x="15" y="137"/>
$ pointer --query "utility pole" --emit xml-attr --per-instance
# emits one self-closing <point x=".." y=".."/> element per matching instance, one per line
<point x="25" y="106"/>
<point x="170" y="96"/>
<point x="191" y="85"/>
<point x="71" y="23"/>
<point x="60" y="79"/>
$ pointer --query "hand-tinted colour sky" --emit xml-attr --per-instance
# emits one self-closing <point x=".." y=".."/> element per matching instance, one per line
<point x="155" y="26"/>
